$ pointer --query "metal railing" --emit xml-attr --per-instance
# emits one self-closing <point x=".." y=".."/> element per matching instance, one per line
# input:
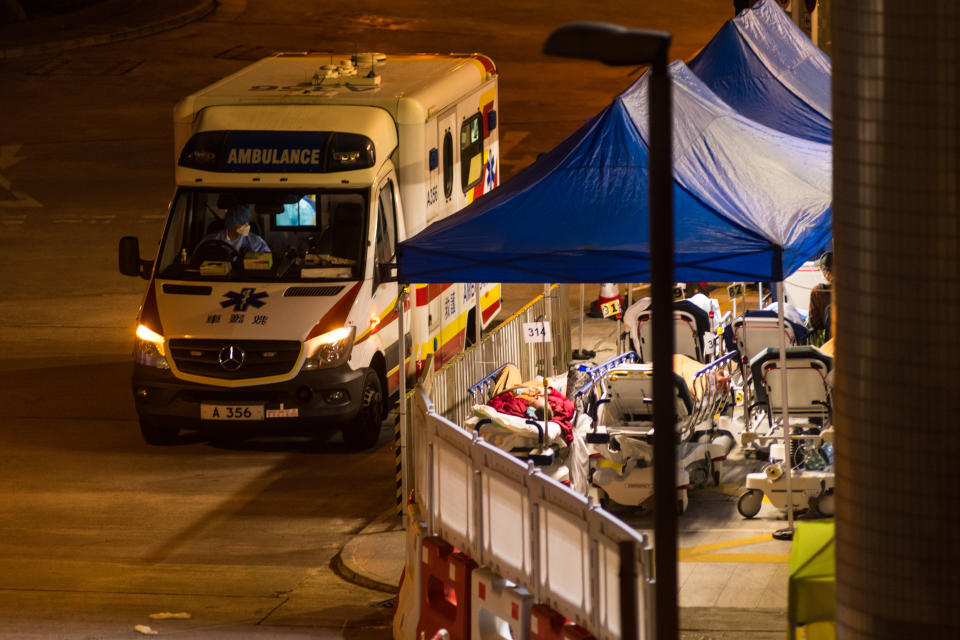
<point x="448" y="387"/>
<point x="505" y="344"/>
<point x="711" y="391"/>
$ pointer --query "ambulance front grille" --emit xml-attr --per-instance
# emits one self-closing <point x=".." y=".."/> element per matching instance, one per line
<point x="234" y="359"/>
<point x="298" y="292"/>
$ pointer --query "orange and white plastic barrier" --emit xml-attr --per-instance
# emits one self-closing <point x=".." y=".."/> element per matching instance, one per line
<point x="500" y="609"/>
<point x="445" y="576"/>
<point x="576" y="632"/>
<point x="406" y="607"/>
<point x="545" y="623"/>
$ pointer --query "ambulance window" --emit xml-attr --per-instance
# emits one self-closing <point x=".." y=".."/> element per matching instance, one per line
<point x="302" y="213"/>
<point x="447" y="164"/>
<point x="386" y="225"/>
<point x="471" y="152"/>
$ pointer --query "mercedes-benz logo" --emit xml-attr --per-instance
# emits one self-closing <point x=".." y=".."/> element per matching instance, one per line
<point x="231" y="357"/>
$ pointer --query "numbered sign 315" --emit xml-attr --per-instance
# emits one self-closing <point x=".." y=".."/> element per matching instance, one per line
<point x="536" y="332"/>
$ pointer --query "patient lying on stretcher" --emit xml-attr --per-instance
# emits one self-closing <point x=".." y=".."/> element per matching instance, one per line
<point x="513" y="420"/>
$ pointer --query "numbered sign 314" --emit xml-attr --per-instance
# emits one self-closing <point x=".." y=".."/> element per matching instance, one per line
<point x="536" y="332"/>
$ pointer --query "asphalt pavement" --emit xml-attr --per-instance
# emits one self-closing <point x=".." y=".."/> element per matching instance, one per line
<point x="99" y="22"/>
<point x="374" y="557"/>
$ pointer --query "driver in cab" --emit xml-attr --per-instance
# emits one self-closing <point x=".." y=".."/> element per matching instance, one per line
<point x="236" y="231"/>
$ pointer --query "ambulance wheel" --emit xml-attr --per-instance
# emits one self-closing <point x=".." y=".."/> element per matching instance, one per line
<point x="157" y="434"/>
<point x="365" y="430"/>
<point x="749" y="503"/>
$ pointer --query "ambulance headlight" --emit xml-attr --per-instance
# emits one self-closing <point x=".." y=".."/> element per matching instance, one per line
<point x="330" y="349"/>
<point x="149" y="348"/>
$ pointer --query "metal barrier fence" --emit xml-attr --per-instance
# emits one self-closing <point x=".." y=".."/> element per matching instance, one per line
<point x="504" y="344"/>
<point x="527" y="528"/>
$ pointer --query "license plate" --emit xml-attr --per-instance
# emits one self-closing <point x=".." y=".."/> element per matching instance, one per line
<point x="231" y="412"/>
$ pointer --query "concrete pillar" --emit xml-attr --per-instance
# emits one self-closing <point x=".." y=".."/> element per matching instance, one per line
<point x="896" y="137"/>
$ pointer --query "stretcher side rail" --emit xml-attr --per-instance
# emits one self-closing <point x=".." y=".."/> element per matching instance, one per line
<point x="712" y="388"/>
<point x="596" y="374"/>
<point x="480" y="390"/>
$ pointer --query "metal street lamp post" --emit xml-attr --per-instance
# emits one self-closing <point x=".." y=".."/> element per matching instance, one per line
<point x="616" y="45"/>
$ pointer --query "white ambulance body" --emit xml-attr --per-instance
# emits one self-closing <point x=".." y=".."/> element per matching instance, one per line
<point x="334" y="160"/>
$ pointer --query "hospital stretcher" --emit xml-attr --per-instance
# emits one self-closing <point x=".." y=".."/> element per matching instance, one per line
<point x="810" y="419"/>
<point x="622" y="440"/>
<point x="531" y="438"/>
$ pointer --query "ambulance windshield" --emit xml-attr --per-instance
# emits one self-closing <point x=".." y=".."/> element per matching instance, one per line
<point x="265" y="234"/>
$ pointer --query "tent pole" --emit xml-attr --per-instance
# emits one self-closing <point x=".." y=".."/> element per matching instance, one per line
<point x="547" y="351"/>
<point x="478" y="330"/>
<point x="580" y="350"/>
<point x="547" y="357"/>
<point x="785" y="408"/>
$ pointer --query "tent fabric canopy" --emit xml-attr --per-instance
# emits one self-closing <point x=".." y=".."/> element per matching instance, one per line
<point x="765" y="67"/>
<point x="750" y="203"/>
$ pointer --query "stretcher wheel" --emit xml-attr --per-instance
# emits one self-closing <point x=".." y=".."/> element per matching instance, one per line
<point x="748" y="504"/>
<point x="604" y="500"/>
<point x="824" y="504"/>
<point x="699" y="473"/>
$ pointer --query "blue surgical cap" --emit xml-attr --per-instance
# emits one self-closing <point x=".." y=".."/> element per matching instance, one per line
<point x="237" y="214"/>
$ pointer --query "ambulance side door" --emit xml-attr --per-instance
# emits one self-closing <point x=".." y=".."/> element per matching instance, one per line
<point x="387" y="217"/>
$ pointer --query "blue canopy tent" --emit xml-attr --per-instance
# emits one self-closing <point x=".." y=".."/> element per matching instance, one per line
<point x="751" y="203"/>
<point x="765" y="67"/>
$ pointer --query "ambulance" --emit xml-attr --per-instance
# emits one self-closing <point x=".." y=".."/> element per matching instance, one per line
<point x="332" y="160"/>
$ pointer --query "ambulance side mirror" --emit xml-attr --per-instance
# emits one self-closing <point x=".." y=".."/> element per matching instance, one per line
<point x="386" y="272"/>
<point x="130" y="263"/>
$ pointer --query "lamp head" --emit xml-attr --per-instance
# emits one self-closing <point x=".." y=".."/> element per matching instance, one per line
<point x="610" y="44"/>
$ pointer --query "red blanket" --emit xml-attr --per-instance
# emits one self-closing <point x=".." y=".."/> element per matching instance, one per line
<point x="561" y="408"/>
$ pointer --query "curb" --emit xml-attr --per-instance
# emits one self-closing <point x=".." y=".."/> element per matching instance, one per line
<point x="57" y="46"/>
<point x="340" y="568"/>
<point x="383" y="523"/>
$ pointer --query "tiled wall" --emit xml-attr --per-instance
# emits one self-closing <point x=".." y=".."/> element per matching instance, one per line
<point x="896" y="138"/>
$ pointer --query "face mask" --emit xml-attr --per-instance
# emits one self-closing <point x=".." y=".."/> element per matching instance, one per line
<point x="244" y="229"/>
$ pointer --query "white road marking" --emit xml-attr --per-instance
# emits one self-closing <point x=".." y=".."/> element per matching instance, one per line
<point x="8" y="158"/>
<point x="8" y="154"/>
<point x="69" y="219"/>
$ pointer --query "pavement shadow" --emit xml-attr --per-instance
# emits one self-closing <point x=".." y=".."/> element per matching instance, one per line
<point x="73" y="390"/>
